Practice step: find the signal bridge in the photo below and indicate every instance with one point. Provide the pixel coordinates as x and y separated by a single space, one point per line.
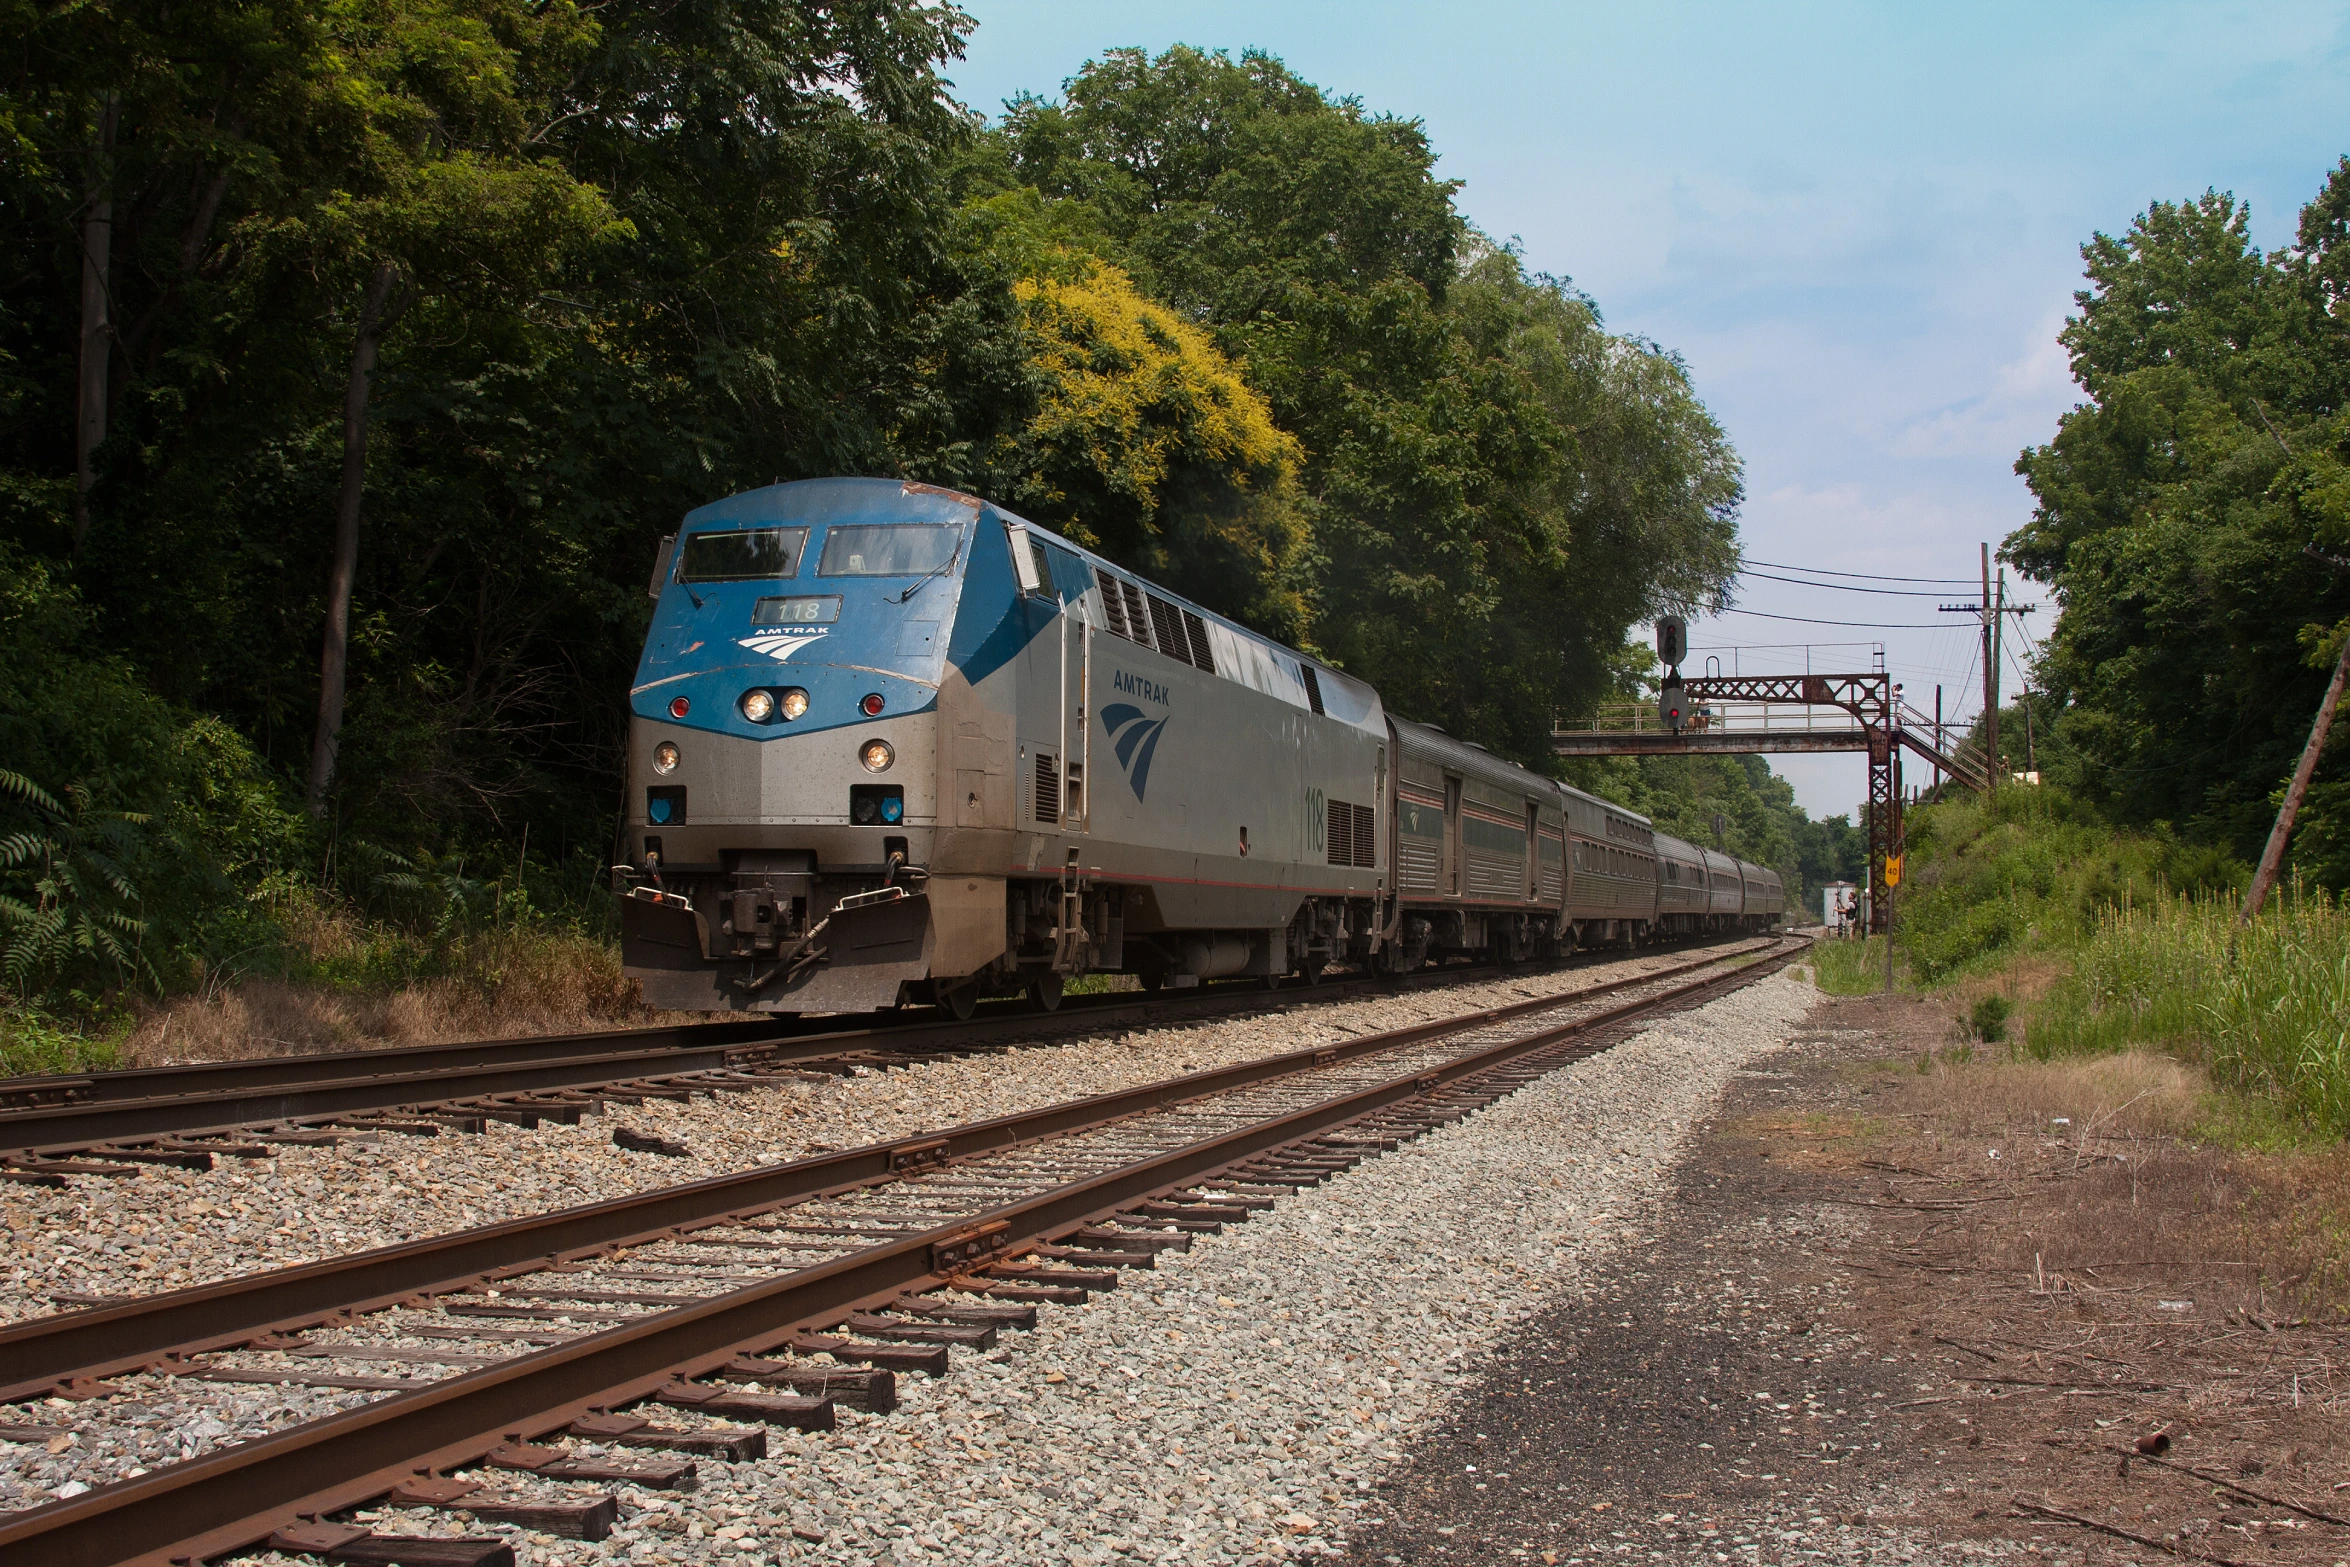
1736 714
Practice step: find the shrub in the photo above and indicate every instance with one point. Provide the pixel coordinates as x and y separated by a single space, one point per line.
136 835
1987 1019
2031 868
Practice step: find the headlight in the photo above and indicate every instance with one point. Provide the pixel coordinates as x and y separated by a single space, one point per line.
795 702
758 706
679 707
872 704
877 756
665 758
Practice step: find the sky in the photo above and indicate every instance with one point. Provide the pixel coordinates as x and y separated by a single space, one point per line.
1860 225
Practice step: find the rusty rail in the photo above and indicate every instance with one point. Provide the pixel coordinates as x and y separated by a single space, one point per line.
45 1353
63 1115
236 1497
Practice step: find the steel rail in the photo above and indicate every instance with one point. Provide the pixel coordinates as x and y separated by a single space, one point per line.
270 1074
44 1353
237 1496
47 1117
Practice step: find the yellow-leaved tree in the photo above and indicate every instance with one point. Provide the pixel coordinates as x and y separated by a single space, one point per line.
1149 445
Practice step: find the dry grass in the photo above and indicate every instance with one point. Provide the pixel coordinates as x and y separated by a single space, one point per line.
2101 1100
2114 1271
494 984
2114 1187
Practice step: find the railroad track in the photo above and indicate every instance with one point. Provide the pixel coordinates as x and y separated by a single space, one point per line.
562 1351
108 1123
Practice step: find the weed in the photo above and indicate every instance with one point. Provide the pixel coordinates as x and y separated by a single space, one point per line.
33 1040
2265 1005
1987 1019
2031 870
1851 968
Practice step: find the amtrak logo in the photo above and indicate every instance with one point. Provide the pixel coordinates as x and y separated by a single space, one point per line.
1134 735
779 645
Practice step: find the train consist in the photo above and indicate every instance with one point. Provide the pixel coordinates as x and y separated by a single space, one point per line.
889 742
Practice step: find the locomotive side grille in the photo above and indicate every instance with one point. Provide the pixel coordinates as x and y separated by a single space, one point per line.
1138 624
1352 835
1167 623
1313 687
1048 788
1113 608
1202 656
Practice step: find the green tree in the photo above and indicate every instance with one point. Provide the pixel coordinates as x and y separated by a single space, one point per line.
426 180
771 291
2172 510
1478 452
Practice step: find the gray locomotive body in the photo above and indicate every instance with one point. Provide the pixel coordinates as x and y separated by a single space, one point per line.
890 742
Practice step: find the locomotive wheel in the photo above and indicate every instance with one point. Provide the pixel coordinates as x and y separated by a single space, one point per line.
961 1001
1044 993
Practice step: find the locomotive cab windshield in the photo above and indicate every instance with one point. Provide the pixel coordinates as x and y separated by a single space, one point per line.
741 554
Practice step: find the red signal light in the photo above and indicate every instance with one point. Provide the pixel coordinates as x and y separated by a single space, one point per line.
678 706
871 704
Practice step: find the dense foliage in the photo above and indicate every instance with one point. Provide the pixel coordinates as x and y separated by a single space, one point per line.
1493 486
354 356
2174 506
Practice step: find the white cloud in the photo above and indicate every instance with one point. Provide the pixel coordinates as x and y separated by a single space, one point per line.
2025 397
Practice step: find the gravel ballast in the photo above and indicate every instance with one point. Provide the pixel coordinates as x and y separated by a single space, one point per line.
158 1228
1238 1404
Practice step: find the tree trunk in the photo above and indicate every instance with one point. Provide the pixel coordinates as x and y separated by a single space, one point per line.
97 349
2272 855
333 655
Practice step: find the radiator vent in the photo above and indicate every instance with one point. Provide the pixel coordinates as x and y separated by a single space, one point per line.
1048 788
1113 607
1354 840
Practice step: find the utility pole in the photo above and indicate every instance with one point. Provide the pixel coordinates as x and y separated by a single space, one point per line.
2272 855
1991 672
1938 751
1991 609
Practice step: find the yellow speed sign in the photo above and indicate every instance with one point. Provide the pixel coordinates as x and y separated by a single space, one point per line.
1893 870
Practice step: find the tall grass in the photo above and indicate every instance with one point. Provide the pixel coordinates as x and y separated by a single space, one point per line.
1849 967
2266 1006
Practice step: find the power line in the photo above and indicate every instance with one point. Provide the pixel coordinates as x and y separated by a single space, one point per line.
1857 625
1866 576
1842 587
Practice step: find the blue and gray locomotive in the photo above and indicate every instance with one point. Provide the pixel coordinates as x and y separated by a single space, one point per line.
890 742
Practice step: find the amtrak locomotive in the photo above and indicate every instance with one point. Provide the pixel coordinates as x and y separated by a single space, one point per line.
890 742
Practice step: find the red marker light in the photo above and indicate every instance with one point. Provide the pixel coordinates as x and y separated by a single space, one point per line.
678 706
871 704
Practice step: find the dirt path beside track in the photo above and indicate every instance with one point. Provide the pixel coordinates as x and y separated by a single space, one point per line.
1892 1314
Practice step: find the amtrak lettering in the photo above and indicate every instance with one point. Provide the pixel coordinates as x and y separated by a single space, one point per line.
1127 684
